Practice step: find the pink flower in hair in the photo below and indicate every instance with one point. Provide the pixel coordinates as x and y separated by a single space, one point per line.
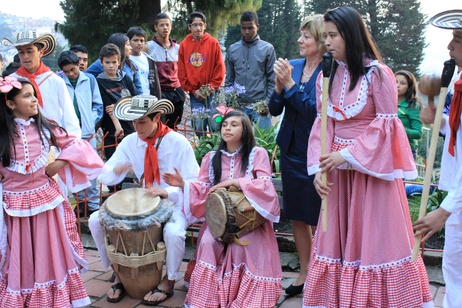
8 83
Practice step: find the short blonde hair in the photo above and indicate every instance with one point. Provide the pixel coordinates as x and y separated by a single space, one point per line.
314 25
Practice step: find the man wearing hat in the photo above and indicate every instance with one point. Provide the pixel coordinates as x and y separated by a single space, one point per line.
449 214
151 151
54 100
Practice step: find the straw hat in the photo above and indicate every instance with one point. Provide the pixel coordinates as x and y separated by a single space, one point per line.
134 107
448 20
27 37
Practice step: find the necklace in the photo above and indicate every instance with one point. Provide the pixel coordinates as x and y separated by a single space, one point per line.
306 75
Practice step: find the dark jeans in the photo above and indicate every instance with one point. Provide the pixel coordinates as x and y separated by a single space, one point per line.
177 97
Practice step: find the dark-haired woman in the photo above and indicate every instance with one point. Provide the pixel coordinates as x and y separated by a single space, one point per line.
245 274
364 259
409 108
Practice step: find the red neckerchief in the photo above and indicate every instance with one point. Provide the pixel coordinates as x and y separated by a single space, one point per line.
151 163
41 69
454 114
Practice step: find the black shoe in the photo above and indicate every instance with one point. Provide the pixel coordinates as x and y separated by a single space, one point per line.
294 290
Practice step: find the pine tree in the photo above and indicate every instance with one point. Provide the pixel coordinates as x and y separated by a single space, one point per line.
90 22
397 26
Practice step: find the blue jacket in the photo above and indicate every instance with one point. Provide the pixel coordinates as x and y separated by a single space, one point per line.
300 110
89 101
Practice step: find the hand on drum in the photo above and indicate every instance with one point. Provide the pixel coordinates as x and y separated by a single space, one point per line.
323 190
226 184
155 191
174 179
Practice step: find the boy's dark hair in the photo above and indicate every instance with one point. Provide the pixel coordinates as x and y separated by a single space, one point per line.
196 15
109 50
67 57
249 16
16 59
136 30
79 48
161 16
10 69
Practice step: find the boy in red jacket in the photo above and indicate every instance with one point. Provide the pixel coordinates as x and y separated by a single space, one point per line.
201 69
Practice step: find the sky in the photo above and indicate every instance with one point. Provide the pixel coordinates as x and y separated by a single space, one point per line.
435 53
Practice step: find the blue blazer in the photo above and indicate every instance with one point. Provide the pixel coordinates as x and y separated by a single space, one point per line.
300 110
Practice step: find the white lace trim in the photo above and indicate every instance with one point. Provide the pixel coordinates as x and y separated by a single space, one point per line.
27 166
344 112
357 263
248 273
44 285
343 141
386 116
248 171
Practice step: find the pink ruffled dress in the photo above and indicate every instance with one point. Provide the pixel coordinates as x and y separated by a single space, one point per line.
41 254
364 258
231 275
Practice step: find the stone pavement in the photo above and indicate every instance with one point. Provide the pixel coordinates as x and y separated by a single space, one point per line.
97 282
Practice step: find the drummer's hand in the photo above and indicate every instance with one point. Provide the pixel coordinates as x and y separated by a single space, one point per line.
225 184
123 168
54 167
322 189
155 191
329 162
174 179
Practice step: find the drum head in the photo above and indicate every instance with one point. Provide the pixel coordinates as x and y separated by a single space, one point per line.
131 202
215 214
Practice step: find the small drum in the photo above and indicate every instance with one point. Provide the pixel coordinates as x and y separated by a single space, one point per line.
133 224
229 215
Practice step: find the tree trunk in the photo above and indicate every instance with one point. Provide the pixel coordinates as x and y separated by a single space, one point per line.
148 11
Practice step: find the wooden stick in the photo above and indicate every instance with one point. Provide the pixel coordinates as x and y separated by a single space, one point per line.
446 76
326 68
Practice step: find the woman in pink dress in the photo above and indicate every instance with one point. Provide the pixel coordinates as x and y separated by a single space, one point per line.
364 258
234 275
40 250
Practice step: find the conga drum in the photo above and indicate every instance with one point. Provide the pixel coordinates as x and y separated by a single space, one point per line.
133 224
230 215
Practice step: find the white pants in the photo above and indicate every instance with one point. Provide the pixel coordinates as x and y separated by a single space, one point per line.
174 237
452 261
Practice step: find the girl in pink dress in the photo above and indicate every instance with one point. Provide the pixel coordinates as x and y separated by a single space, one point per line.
233 275
40 250
364 258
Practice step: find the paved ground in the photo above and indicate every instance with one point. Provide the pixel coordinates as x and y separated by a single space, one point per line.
97 283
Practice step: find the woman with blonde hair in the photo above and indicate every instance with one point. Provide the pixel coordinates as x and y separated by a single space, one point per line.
295 94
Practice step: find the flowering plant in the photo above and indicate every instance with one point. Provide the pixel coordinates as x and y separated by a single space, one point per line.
206 90
228 96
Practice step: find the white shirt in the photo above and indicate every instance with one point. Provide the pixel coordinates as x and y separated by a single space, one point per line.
57 103
174 151
142 63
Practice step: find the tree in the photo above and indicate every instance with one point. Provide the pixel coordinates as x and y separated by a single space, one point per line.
91 22
397 26
279 25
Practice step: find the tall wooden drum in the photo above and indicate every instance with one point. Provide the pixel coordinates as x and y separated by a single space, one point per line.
133 224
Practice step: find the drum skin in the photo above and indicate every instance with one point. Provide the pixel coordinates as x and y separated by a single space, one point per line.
133 205
230 215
